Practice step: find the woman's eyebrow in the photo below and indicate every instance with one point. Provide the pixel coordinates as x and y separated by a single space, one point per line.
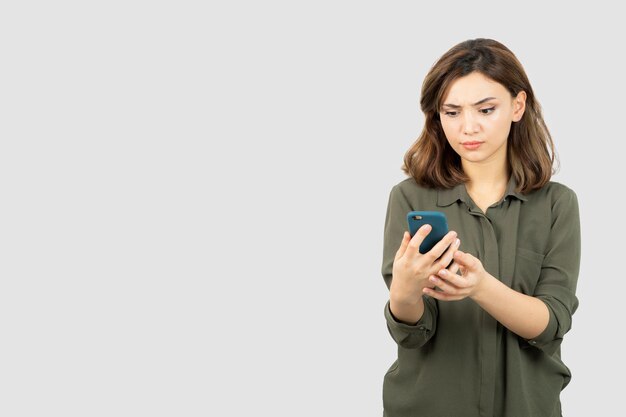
454 106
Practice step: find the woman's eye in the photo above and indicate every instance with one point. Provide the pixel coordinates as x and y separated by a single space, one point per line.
483 111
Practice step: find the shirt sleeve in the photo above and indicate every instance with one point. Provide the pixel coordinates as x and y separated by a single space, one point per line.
405 335
559 272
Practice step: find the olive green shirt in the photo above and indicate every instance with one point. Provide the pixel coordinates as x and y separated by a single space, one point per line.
458 361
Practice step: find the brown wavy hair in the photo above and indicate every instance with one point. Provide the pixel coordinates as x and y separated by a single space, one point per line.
531 156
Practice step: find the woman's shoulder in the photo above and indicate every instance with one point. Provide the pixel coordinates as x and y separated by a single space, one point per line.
553 191
409 193
409 188
555 188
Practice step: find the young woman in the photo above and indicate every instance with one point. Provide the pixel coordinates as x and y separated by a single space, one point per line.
479 319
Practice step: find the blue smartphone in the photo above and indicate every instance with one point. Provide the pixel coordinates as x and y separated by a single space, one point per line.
436 219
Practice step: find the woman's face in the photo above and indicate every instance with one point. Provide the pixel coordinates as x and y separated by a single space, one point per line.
476 117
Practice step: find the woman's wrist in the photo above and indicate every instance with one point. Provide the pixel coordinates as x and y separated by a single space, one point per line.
481 289
407 312
402 296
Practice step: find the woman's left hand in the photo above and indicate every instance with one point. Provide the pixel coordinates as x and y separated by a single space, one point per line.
454 287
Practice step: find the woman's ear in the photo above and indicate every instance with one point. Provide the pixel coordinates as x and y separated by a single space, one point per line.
519 105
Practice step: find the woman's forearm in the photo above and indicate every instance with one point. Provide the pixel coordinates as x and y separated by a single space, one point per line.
522 314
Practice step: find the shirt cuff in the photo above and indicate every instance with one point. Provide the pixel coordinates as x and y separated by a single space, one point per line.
408 335
548 335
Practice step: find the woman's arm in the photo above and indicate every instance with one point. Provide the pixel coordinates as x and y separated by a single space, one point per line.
522 314
414 318
545 316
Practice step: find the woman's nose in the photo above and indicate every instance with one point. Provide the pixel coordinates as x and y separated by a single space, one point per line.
470 124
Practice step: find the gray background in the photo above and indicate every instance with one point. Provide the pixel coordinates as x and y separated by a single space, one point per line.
193 196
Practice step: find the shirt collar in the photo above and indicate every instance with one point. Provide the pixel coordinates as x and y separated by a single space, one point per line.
447 196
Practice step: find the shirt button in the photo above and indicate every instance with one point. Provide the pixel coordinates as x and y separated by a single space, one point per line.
532 342
422 327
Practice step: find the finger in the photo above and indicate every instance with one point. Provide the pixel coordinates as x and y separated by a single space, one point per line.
465 260
446 286
446 258
417 239
443 244
454 267
451 278
443 296
406 238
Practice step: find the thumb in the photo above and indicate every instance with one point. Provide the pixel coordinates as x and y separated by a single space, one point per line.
406 238
465 259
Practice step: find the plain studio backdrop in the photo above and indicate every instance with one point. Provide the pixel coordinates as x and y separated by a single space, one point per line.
193 196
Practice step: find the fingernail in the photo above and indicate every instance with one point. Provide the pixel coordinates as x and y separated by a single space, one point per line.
457 242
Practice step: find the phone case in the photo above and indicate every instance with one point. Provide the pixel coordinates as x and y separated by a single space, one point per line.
436 219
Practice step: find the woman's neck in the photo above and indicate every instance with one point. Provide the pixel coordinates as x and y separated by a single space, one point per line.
486 176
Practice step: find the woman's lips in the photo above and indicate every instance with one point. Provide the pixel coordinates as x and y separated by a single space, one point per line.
471 145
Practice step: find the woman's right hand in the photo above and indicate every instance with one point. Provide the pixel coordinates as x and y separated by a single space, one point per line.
412 270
